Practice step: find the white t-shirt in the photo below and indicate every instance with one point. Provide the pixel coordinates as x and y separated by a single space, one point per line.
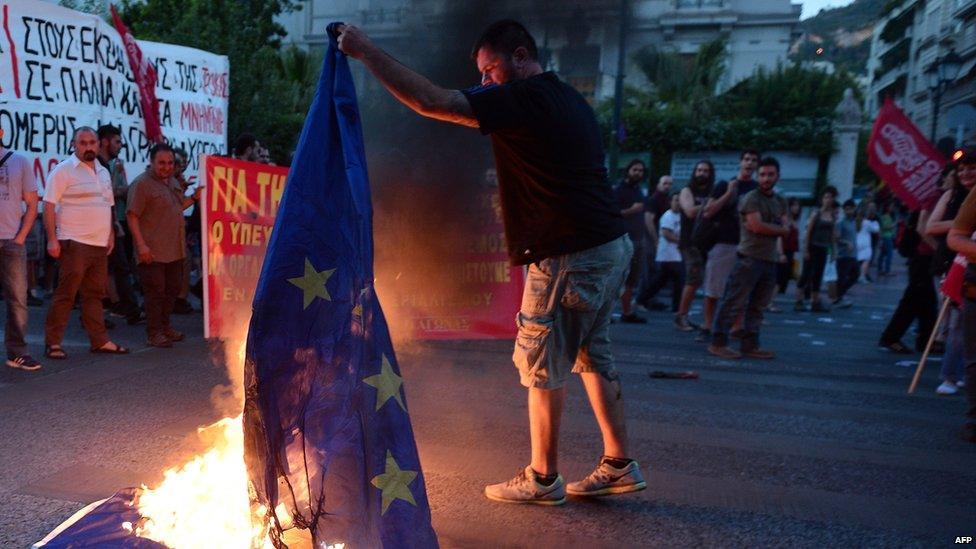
84 200
668 251
868 227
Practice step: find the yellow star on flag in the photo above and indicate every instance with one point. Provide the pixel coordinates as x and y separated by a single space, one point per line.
393 483
312 283
387 384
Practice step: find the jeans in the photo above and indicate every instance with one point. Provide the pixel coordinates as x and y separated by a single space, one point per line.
953 363
813 270
750 288
887 253
161 284
14 280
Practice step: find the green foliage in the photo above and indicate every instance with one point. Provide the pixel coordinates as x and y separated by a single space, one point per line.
860 14
96 7
681 79
789 108
270 89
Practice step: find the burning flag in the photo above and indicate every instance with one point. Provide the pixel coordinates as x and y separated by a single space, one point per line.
328 442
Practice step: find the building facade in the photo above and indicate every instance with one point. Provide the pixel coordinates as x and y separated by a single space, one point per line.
580 39
906 42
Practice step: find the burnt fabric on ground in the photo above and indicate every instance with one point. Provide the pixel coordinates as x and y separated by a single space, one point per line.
326 426
108 525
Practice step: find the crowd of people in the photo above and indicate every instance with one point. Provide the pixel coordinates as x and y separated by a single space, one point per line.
112 246
741 243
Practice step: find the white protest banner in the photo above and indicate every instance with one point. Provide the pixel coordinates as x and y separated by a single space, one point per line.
61 69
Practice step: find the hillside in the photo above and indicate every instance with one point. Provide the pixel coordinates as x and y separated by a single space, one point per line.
844 34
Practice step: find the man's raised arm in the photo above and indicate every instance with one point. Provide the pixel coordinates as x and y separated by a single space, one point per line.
410 88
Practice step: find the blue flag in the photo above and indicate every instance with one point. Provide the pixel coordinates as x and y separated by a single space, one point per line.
326 427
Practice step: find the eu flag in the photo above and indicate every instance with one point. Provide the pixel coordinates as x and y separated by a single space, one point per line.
326 427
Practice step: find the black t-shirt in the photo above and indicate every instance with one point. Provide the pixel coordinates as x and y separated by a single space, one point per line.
657 204
552 182
627 196
728 218
700 196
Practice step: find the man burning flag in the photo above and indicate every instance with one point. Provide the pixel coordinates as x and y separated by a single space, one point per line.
327 432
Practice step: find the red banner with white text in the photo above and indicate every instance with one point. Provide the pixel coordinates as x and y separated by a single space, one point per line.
238 214
901 156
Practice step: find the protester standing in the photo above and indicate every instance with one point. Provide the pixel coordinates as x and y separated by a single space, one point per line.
692 199
657 204
120 267
630 200
846 254
962 180
17 190
791 243
819 240
723 207
868 228
919 299
960 239
886 250
753 280
78 222
155 213
669 268
182 304
547 143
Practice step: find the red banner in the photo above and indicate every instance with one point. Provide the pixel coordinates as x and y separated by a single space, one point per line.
238 213
901 156
145 77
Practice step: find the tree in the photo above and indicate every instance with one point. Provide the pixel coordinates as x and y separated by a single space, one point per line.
263 99
688 82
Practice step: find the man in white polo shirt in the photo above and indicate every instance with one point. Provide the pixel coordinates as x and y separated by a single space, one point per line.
80 237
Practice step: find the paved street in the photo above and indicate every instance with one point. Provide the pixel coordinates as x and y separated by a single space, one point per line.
819 447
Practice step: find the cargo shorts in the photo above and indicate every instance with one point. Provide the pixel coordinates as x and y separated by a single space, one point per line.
564 320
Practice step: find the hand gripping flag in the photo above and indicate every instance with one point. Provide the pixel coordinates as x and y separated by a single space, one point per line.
327 433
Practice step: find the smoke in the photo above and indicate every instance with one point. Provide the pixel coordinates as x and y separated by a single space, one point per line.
428 177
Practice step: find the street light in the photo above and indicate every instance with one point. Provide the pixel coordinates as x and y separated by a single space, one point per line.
939 75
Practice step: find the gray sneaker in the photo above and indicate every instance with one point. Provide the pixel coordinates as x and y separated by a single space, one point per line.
607 479
525 489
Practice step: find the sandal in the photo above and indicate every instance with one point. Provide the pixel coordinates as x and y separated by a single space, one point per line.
116 349
55 352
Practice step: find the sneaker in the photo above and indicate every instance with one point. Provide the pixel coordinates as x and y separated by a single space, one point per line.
724 352
24 362
159 340
173 335
759 353
607 479
961 384
681 323
947 388
800 307
633 318
704 335
525 489
773 308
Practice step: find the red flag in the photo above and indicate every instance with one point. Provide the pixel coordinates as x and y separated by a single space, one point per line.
145 77
904 159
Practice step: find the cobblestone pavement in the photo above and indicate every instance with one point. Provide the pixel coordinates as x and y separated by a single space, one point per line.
819 447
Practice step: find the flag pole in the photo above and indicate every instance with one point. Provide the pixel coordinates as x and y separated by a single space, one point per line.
925 355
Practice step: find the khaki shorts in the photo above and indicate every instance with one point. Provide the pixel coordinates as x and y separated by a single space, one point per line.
564 320
718 269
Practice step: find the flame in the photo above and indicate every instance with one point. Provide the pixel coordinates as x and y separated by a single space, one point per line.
204 502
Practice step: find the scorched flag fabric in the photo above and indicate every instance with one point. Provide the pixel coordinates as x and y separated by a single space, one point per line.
327 430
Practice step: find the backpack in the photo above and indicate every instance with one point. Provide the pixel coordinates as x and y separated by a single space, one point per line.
907 238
